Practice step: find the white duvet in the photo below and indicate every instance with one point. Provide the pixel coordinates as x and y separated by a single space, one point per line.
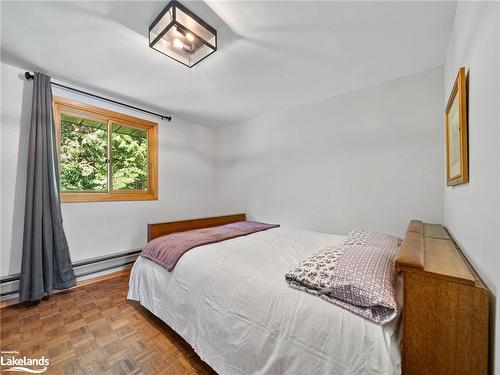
231 303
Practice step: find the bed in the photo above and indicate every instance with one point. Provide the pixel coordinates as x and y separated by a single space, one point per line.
230 302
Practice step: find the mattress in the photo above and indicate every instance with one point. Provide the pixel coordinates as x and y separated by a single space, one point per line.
231 303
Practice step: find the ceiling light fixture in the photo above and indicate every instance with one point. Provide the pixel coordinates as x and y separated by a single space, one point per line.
180 34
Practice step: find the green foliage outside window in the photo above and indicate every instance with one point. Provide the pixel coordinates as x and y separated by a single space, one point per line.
130 158
84 156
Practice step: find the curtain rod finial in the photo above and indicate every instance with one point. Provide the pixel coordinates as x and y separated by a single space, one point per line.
29 76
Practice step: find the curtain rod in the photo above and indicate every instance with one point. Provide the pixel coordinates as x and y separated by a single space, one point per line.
29 76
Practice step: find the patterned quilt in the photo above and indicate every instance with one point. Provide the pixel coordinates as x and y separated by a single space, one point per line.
357 275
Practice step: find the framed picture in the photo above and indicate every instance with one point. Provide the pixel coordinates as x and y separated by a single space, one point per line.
457 163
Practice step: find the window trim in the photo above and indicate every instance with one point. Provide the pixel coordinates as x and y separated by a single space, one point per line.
61 105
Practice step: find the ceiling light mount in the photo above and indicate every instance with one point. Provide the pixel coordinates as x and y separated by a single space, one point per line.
181 35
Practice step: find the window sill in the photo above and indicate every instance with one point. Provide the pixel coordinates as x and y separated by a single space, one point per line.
106 197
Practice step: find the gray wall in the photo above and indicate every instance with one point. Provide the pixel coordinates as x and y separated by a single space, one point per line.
370 158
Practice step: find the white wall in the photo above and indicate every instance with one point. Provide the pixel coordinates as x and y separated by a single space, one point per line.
472 211
370 158
186 182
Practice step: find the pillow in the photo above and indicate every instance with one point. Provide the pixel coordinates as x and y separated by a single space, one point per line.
358 278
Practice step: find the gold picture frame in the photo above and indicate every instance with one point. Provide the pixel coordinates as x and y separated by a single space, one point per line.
457 156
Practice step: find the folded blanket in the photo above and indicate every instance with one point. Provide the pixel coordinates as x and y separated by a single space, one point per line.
167 250
356 275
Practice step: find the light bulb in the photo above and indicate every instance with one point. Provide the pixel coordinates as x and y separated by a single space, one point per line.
189 37
178 44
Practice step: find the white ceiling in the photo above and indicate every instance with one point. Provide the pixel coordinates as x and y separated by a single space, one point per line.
271 56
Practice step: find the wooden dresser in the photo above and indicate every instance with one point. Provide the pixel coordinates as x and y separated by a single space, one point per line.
446 306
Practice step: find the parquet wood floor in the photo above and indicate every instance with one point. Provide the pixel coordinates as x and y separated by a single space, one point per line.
95 330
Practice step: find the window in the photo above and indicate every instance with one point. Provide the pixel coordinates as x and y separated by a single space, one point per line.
104 155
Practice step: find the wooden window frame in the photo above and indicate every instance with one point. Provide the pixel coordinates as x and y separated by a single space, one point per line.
63 105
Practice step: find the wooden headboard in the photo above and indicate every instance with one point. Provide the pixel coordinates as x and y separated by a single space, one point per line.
161 229
445 305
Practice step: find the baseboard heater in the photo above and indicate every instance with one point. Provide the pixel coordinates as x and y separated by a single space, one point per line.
9 285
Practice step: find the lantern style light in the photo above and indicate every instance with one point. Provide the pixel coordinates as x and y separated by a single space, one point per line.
182 35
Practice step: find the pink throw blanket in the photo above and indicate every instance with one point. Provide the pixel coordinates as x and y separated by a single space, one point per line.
167 250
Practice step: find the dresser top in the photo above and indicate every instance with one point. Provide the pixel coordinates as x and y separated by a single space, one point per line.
429 249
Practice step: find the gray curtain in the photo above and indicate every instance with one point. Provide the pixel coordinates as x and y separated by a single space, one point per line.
46 263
